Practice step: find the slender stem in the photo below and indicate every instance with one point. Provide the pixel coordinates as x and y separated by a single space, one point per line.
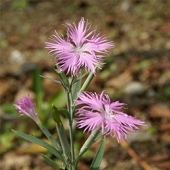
72 146
71 125
87 144
70 110
87 82
89 141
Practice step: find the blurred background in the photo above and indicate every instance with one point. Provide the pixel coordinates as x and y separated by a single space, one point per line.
137 72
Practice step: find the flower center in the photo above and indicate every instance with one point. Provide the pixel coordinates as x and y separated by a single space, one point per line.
78 50
108 114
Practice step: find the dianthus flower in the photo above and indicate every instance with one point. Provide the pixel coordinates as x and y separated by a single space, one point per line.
80 48
96 110
26 107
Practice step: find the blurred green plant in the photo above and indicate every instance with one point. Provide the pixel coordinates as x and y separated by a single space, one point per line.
4 43
6 141
43 108
143 12
70 8
141 65
19 4
152 130
10 109
167 91
7 137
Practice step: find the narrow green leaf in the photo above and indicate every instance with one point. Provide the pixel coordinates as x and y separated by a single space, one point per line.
63 77
77 87
56 115
64 143
99 135
41 143
80 77
50 137
66 113
51 162
98 157
61 133
55 81
38 89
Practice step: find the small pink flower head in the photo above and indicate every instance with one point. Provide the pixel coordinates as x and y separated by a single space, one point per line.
81 48
26 107
98 111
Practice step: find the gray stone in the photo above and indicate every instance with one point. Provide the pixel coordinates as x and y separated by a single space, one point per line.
134 88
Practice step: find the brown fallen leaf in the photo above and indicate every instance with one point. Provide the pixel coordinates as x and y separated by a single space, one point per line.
165 26
159 157
5 86
157 111
164 127
31 149
82 166
120 81
165 136
162 164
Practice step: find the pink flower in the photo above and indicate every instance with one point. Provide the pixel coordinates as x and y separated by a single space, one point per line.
26 107
98 111
81 48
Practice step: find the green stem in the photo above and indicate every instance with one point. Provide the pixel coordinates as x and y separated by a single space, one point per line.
70 110
72 146
87 82
88 143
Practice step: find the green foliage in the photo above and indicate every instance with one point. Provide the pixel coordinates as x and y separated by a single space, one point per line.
167 91
4 43
7 137
6 140
70 8
44 108
58 99
77 87
152 131
141 11
19 4
41 143
50 137
38 87
88 153
61 133
78 134
51 162
10 109
141 65
98 157
87 144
